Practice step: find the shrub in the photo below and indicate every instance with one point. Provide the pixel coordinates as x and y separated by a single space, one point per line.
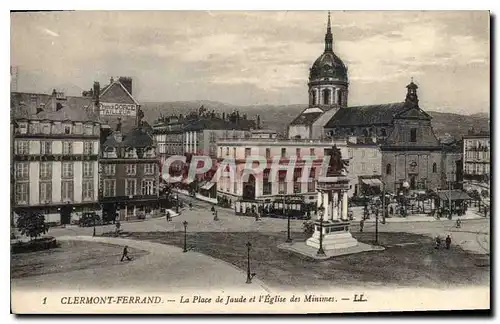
89 219
308 227
32 224
40 244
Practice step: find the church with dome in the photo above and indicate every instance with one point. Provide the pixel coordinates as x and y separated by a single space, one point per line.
411 152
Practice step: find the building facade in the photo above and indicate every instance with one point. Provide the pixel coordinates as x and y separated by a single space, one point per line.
364 162
129 168
476 157
55 156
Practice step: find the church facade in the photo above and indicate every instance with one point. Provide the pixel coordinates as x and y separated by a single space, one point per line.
411 152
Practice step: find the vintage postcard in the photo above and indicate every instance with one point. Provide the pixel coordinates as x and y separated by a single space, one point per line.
249 162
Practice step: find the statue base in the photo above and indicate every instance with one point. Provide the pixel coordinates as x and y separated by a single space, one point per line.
336 235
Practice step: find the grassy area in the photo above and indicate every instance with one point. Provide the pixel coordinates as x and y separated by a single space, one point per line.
418 264
70 256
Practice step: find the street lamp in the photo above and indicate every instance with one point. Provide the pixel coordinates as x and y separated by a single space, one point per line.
384 211
288 239
185 223
321 211
177 204
406 186
376 224
249 274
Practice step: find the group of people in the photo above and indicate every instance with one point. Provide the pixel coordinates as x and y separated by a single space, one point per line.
447 242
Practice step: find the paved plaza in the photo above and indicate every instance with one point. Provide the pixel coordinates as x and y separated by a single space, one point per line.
218 258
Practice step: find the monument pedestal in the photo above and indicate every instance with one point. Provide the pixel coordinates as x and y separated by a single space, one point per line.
336 235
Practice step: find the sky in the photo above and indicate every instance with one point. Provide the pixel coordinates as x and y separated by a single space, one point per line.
258 57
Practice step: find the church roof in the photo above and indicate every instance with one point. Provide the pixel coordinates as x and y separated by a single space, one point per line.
366 115
328 65
306 118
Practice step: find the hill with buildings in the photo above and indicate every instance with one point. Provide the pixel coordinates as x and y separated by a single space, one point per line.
279 116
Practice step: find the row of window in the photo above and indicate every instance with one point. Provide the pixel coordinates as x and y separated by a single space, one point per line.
49 128
477 168
388 168
248 152
112 153
148 187
130 169
23 148
45 170
45 192
477 155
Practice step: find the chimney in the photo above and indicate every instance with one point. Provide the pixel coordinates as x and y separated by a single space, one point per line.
97 92
127 83
53 101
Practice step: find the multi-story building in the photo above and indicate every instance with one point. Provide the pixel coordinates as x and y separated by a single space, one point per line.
365 163
129 168
55 158
115 103
476 157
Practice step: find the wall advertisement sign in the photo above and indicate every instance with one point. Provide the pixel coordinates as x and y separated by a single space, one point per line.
117 109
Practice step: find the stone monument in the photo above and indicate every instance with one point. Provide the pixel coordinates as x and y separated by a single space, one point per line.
331 228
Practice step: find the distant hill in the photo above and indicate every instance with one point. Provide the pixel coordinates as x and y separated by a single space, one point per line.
278 117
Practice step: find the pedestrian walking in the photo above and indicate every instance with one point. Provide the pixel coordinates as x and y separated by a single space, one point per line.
125 254
438 242
459 223
169 217
448 242
190 205
118 225
361 225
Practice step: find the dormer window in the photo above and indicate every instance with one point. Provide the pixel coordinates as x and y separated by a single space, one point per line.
130 153
67 129
23 128
87 129
46 128
34 128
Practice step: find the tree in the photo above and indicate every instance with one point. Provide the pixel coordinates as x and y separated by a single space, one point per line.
32 224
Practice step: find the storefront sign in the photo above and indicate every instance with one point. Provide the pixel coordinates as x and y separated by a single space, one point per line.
117 109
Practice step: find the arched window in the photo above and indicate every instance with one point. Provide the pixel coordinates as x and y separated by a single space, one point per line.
339 97
383 133
326 97
365 132
434 168
388 169
313 97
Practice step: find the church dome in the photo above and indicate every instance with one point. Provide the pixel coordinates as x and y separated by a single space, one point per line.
328 65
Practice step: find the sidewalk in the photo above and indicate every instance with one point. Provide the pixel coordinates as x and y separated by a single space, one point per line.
165 268
197 196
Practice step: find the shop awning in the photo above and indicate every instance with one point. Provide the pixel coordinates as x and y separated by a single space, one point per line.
208 185
454 194
372 182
